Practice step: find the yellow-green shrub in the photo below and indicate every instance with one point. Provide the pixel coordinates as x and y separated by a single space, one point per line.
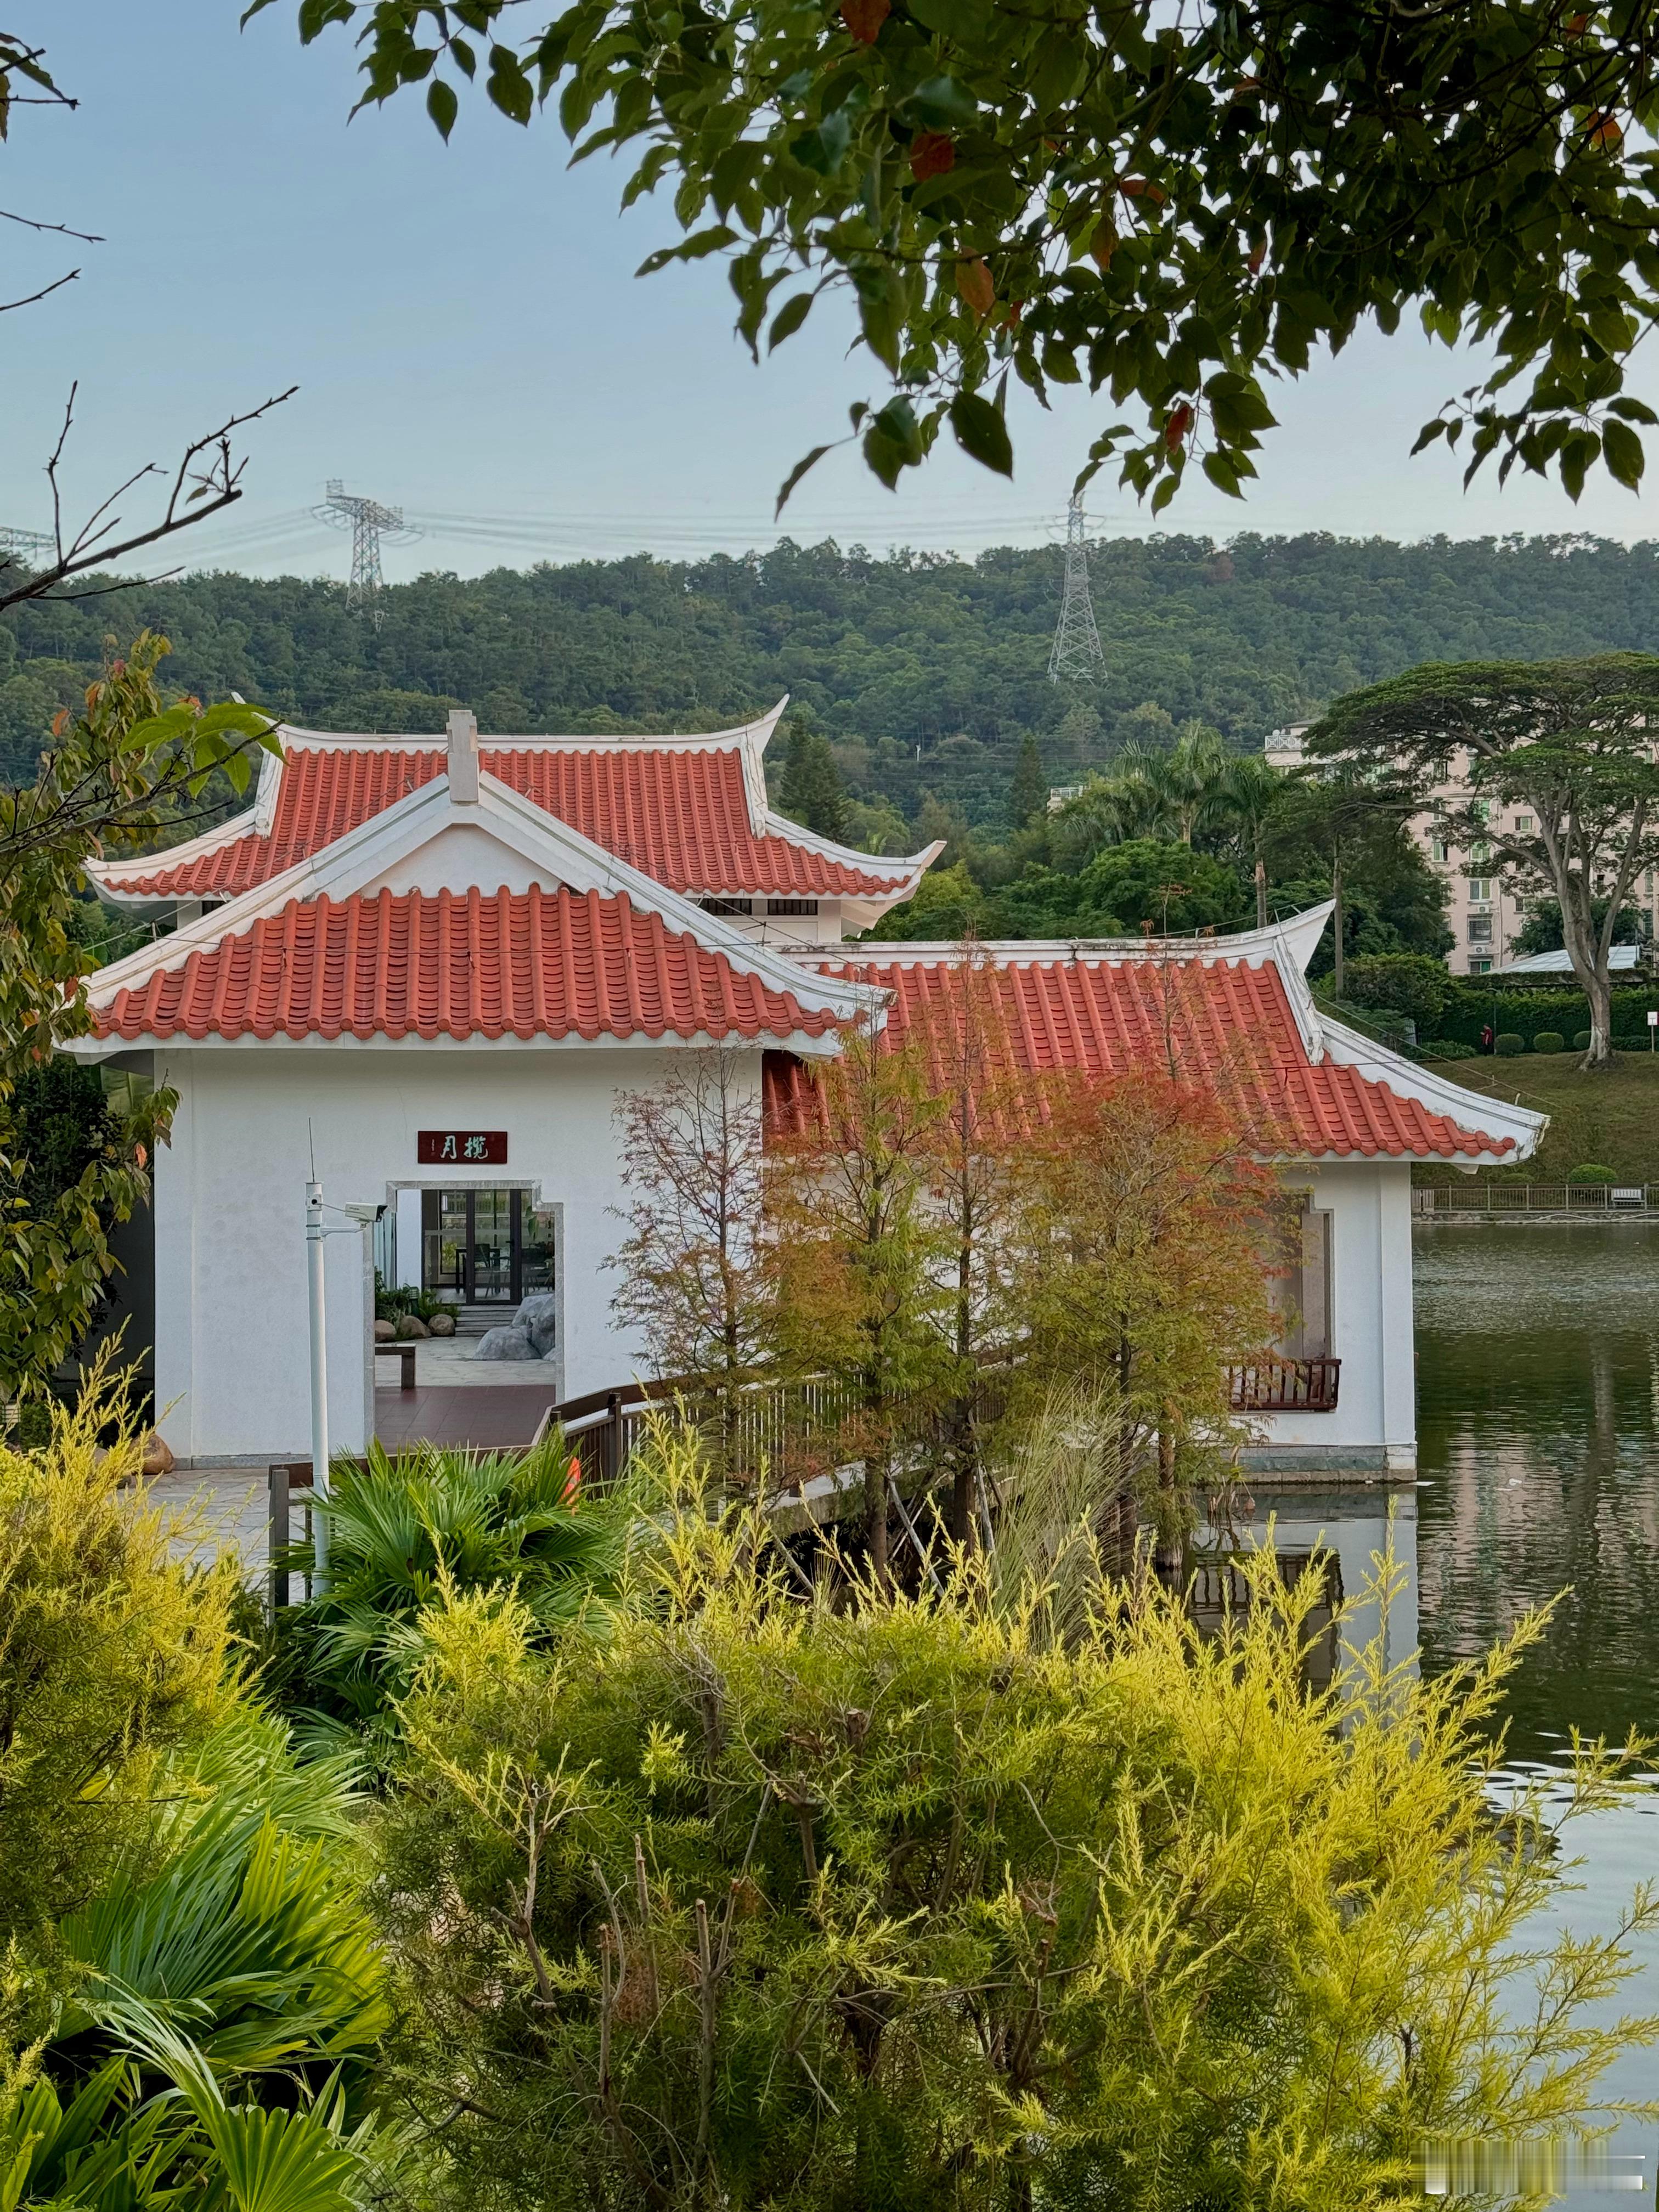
929 1904
113 1656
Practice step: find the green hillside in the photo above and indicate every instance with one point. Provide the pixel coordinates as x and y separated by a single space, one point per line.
926 671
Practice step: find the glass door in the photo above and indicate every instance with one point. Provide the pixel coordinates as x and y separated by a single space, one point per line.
535 1246
486 1246
492 1272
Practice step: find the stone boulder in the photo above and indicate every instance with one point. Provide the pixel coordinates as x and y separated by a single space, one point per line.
384 1331
537 1316
158 1459
441 1324
412 1325
506 1344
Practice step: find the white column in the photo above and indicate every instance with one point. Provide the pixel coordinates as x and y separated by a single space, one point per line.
409 1237
1396 1347
175 1212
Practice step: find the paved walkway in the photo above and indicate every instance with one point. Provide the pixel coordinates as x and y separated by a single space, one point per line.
448 1362
214 1507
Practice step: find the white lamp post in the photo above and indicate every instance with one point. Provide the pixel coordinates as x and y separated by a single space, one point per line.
361 1218
315 1233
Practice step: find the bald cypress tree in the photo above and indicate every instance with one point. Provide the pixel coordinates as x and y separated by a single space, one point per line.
1027 794
811 792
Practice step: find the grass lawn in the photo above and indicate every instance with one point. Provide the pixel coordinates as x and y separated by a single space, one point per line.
1612 1118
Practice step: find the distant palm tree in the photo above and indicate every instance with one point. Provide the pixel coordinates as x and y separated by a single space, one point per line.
1198 788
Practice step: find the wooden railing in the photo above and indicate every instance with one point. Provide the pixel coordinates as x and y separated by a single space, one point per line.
1286 1385
763 1424
792 1429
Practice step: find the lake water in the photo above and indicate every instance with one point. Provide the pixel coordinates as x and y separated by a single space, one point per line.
1538 1451
1538 1448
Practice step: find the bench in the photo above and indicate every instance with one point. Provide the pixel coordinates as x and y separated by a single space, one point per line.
403 1350
1620 1195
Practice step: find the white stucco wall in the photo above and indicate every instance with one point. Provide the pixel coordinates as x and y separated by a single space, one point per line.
1375 1423
231 1326
231 1349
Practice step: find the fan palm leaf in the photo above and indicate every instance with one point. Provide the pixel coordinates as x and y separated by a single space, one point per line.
404 1532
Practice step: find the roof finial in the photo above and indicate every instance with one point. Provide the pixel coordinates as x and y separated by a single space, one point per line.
463 756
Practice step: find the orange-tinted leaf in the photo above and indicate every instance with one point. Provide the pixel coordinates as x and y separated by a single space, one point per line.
975 283
1606 131
1574 27
1258 255
864 18
1103 245
932 152
1180 422
1137 188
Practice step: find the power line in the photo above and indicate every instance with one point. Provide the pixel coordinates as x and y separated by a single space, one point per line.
1077 657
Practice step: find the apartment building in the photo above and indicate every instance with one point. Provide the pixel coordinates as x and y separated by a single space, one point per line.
1485 912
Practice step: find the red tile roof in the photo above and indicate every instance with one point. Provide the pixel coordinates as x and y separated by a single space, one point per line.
524 963
1223 1022
680 817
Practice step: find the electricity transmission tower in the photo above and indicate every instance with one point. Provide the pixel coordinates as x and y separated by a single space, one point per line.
368 523
32 545
1077 657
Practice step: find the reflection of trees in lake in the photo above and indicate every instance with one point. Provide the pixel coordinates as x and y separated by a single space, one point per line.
1539 1441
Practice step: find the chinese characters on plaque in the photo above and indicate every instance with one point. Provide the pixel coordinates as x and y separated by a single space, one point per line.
461 1148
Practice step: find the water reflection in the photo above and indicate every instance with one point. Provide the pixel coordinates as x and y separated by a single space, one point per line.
1537 1447
1356 1525
1538 1454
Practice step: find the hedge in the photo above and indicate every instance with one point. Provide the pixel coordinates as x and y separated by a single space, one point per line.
1549 1041
1524 1013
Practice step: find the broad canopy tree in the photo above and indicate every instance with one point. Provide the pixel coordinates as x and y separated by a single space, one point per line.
1563 786
1172 205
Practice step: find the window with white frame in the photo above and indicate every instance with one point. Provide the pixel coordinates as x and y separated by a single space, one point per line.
1439 850
1299 1278
1480 929
1524 825
1480 890
1479 967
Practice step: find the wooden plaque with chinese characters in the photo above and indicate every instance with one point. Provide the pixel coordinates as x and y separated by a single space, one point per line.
461 1148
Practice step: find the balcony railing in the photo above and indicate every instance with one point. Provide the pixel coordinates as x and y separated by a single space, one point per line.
1286 1385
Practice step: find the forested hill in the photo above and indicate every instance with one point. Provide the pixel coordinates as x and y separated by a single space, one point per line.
926 671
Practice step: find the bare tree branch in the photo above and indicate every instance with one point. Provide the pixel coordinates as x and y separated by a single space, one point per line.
62 230
195 493
44 293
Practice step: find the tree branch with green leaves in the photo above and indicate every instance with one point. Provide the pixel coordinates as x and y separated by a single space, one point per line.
1172 206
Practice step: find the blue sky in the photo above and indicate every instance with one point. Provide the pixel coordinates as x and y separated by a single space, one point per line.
471 342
